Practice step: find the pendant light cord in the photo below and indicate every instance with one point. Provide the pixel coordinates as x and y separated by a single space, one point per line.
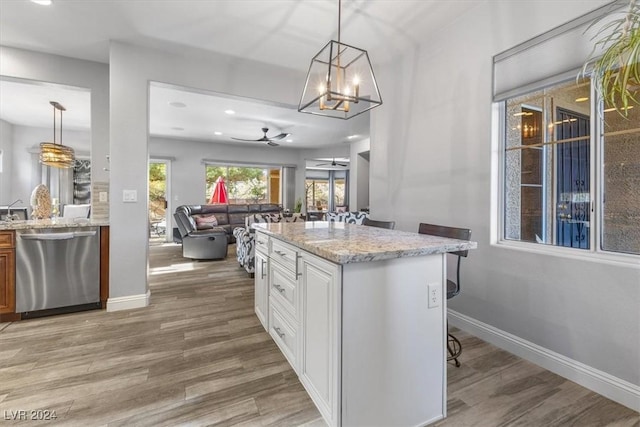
339 18
57 106
54 123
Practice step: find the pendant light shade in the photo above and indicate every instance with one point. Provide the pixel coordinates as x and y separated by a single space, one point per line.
53 154
340 82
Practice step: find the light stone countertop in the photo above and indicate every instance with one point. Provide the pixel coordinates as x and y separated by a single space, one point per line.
51 223
344 243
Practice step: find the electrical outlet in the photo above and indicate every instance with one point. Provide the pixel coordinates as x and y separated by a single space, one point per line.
104 197
434 297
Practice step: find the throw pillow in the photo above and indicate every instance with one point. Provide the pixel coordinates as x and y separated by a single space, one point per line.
207 221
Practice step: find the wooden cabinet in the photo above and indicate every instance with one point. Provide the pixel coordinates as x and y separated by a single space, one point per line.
262 289
319 362
7 272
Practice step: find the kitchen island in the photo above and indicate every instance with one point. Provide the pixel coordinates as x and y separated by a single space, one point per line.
360 314
56 263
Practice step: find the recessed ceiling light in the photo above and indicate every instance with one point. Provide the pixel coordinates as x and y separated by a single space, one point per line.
585 98
229 112
289 140
217 133
178 104
177 128
42 2
352 136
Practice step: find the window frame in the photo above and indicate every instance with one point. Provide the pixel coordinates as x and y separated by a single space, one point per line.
596 170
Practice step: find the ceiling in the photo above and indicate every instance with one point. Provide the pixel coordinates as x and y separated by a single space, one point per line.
287 33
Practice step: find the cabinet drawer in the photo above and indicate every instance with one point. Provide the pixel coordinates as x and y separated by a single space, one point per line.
262 243
284 334
284 254
284 288
7 239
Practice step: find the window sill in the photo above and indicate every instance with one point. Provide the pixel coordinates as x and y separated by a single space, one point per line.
621 260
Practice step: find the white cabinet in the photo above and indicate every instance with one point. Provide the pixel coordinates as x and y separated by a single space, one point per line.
319 361
285 332
262 289
361 337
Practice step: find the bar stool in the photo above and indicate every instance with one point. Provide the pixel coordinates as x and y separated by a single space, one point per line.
380 224
453 288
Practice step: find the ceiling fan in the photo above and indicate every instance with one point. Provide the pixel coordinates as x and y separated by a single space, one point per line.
269 141
333 163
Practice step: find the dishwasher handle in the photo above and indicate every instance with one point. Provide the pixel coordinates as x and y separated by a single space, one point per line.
57 236
84 233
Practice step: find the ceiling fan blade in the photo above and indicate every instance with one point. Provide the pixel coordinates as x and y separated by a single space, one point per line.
249 140
272 144
282 135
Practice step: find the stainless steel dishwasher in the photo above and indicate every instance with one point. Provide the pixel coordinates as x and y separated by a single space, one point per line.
57 268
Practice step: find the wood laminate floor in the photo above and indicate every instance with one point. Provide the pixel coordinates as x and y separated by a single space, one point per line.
198 356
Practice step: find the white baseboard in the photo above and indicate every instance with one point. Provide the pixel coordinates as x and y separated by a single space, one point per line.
128 302
611 387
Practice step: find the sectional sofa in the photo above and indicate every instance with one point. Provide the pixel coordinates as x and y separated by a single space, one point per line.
226 217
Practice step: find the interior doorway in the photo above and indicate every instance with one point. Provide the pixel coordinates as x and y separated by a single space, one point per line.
158 201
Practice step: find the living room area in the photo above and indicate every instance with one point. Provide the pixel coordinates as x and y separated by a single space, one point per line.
298 171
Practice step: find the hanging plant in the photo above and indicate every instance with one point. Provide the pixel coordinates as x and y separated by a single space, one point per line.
617 72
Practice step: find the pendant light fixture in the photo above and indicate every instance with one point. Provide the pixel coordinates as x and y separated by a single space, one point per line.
340 82
53 154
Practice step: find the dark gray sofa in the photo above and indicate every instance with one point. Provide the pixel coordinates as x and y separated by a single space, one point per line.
228 217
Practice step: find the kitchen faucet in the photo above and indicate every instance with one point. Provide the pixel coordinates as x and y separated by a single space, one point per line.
9 217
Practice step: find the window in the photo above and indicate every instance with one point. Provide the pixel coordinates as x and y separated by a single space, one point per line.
317 194
326 189
563 184
245 184
339 188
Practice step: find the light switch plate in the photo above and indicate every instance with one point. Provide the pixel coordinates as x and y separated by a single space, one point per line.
129 196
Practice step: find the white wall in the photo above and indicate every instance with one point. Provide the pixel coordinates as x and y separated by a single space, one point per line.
131 69
431 162
6 168
359 175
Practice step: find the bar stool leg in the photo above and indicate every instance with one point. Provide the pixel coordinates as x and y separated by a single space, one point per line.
453 347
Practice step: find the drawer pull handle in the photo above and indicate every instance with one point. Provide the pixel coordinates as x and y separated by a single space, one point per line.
279 288
260 242
279 332
263 269
281 253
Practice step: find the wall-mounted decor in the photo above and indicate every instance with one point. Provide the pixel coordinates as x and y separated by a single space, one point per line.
82 181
